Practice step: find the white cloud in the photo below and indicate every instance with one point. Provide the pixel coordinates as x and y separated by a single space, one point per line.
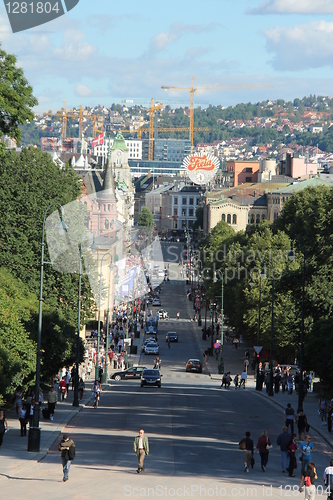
293 7
73 48
176 31
82 90
302 46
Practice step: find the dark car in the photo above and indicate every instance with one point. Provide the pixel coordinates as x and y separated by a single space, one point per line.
130 373
151 376
172 336
194 365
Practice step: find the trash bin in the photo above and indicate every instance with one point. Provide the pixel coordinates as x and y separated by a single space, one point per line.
34 439
134 349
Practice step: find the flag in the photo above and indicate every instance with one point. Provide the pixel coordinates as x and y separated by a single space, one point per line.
98 141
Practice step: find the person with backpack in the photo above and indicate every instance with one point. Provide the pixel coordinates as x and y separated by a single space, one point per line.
246 444
67 448
328 479
308 478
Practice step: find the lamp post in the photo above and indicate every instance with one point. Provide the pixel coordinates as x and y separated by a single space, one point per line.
34 431
262 274
105 373
99 317
291 256
76 385
270 392
221 363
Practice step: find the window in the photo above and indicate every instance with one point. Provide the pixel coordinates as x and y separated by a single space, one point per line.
198 201
248 179
184 201
183 224
258 219
263 217
106 223
175 201
223 217
252 219
190 212
275 215
191 201
109 208
175 224
104 206
234 219
229 219
248 170
175 211
184 212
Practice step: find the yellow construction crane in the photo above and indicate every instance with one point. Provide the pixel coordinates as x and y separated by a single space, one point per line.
193 90
96 130
152 110
73 113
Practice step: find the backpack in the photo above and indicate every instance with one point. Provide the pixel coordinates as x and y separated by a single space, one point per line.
71 452
307 481
242 445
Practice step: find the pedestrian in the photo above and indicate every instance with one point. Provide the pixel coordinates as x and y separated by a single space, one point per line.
328 478
323 410
52 401
81 388
263 446
67 380
62 388
289 417
283 441
67 448
18 400
3 426
308 477
306 448
243 379
292 456
247 446
141 448
23 420
330 417
301 423
236 380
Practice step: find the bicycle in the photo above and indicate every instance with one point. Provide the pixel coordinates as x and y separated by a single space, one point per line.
97 398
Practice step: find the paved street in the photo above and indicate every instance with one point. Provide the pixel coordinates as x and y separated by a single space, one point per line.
193 427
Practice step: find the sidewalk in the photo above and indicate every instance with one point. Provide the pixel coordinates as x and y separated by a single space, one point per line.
234 362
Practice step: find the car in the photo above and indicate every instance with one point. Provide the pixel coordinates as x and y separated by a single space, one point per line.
163 314
134 372
157 302
172 336
149 340
194 365
151 376
152 348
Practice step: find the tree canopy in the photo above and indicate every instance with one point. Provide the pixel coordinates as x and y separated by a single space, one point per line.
16 99
146 218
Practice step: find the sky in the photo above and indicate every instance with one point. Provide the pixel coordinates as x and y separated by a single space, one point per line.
106 51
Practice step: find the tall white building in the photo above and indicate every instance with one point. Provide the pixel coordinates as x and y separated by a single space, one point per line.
134 148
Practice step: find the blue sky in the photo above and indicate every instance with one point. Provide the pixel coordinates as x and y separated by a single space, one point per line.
105 51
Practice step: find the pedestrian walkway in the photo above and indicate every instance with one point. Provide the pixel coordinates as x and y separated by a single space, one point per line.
234 363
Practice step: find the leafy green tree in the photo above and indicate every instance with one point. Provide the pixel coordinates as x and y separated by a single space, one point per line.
318 355
146 218
16 99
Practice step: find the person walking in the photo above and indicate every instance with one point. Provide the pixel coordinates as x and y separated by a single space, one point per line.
292 456
62 389
52 401
283 441
308 478
243 379
301 423
67 448
323 410
141 448
289 417
246 444
306 448
263 446
3 426
23 418
81 388
18 400
328 479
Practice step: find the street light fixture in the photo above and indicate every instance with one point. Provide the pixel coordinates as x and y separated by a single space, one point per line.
291 256
105 373
262 274
107 254
221 362
34 431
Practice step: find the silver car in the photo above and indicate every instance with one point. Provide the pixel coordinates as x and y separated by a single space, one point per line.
152 348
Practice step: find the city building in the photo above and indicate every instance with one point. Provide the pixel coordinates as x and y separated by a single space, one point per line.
133 146
243 171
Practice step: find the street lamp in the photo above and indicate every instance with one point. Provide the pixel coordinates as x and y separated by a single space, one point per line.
221 363
34 431
261 275
99 316
291 257
105 373
270 392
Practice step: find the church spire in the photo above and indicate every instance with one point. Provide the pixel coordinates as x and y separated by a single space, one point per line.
108 184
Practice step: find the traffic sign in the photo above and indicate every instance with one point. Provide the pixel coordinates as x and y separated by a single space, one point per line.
258 348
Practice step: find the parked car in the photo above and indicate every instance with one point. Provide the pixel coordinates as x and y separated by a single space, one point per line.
150 340
156 302
172 336
152 348
194 365
151 376
134 372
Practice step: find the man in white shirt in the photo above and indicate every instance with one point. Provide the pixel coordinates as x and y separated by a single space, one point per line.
243 379
141 449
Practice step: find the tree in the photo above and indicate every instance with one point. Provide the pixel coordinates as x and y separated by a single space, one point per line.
146 218
318 355
16 99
